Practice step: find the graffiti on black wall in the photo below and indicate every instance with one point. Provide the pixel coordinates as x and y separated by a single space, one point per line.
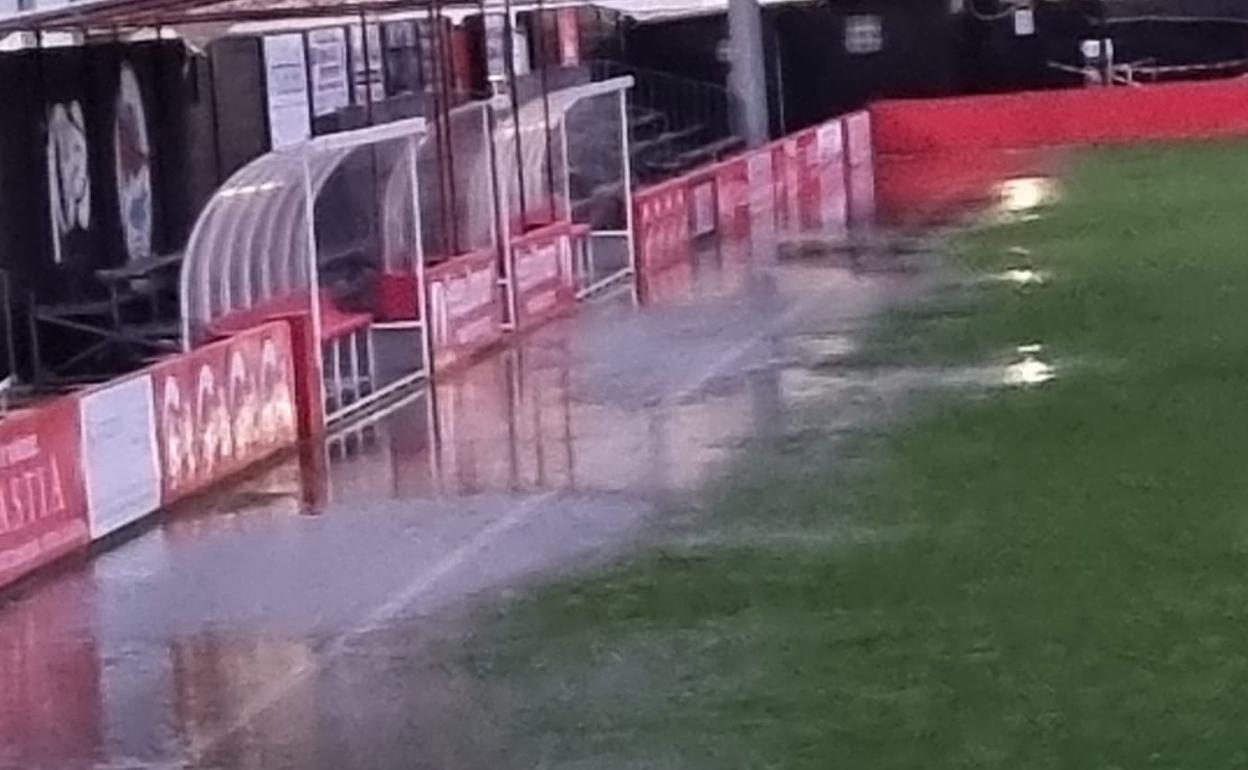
132 158
69 179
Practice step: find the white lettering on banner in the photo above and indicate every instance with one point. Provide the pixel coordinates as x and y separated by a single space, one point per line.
858 128
470 333
703 209
759 179
792 184
227 425
32 495
537 265
540 303
830 140
468 293
19 450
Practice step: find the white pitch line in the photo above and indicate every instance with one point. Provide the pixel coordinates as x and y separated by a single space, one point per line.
374 620
737 352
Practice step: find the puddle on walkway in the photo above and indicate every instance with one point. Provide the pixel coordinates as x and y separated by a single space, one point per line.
286 617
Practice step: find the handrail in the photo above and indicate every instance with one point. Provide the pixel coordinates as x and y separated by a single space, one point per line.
694 112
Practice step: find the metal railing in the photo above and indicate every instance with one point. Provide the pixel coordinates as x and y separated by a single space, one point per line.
677 122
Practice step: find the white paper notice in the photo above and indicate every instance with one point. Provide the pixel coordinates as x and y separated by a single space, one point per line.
286 81
119 454
327 54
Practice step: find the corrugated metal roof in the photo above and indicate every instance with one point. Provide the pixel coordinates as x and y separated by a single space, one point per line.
129 14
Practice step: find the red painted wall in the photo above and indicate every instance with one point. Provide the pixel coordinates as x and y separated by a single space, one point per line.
1048 118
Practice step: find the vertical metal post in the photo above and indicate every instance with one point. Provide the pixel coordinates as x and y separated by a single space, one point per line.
335 349
445 62
307 82
627 160
502 241
422 290
370 359
10 337
53 204
214 117
368 68
748 78
509 64
544 85
567 167
313 268
433 88
353 349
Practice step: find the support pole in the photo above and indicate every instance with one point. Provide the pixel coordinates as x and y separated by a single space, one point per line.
747 80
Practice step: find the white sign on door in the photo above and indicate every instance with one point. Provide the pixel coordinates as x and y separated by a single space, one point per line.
327 58
286 84
370 74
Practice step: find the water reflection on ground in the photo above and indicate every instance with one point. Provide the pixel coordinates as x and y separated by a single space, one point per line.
292 620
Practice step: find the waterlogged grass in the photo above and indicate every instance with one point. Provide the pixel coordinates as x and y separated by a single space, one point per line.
1048 578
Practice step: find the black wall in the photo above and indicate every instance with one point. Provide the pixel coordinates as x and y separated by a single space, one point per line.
31 82
820 78
1177 32
993 58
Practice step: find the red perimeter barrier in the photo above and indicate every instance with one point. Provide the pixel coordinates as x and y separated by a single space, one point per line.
814 180
545 281
732 185
465 308
860 156
1076 116
43 508
661 216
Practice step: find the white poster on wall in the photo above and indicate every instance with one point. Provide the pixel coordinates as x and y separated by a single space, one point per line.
1024 22
372 73
327 59
119 454
286 84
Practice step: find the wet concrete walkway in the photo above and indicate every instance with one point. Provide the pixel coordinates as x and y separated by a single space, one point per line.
297 619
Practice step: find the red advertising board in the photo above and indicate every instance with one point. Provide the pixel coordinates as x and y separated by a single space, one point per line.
703 209
830 144
672 284
732 185
785 173
222 407
860 174
762 195
661 220
43 507
465 308
545 281
809 181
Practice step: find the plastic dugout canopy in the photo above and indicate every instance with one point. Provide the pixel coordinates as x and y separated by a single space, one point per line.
576 155
268 235
257 244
